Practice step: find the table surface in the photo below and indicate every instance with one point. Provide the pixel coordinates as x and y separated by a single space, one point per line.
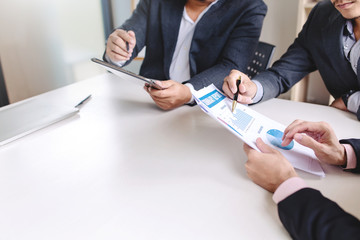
124 169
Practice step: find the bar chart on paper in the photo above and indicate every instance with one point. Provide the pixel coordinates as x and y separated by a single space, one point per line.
250 125
242 120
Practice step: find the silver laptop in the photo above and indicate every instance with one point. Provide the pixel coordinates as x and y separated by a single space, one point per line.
20 119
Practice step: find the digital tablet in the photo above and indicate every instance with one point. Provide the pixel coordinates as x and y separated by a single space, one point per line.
120 72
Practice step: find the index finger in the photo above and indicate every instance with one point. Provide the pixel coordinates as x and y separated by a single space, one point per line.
302 127
123 34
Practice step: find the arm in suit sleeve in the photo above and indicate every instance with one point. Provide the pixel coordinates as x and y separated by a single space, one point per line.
294 65
137 23
355 143
307 214
238 50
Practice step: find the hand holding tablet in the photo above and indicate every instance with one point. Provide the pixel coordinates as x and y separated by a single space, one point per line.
122 72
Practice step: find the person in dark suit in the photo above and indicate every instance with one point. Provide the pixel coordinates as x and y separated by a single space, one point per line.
189 43
305 212
328 42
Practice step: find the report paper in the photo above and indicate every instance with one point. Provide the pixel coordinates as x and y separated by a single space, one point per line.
248 125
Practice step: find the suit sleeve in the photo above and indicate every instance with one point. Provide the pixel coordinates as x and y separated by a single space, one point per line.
137 23
355 143
307 214
294 65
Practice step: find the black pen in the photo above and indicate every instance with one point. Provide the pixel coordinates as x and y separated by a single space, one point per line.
82 102
127 46
238 82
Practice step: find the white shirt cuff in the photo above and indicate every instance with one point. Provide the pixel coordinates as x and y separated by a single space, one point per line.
354 102
191 88
119 63
287 188
259 93
351 157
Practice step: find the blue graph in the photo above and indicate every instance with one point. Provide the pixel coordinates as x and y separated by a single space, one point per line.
212 98
242 119
275 138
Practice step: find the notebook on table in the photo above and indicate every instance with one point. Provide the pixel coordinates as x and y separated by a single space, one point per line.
23 118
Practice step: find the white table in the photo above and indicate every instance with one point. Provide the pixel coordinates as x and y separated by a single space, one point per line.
124 169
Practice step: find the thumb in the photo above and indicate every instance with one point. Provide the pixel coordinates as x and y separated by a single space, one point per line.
131 34
133 38
164 84
263 147
306 141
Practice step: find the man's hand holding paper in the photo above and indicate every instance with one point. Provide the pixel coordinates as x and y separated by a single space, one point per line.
318 136
250 125
247 88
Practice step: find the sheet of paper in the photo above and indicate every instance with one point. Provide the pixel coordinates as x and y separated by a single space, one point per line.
248 125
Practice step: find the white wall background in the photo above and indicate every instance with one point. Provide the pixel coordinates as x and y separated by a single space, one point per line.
44 43
280 27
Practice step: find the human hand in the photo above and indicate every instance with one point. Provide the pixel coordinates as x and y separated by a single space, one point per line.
247 88
268 168
320 137
116 48
172 95
339 104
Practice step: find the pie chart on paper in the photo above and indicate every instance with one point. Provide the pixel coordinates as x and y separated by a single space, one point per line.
274 136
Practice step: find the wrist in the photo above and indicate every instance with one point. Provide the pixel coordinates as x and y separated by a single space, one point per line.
345 96
342 159
188 88
283 177
259 92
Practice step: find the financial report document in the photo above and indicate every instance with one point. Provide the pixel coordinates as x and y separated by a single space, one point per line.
248 125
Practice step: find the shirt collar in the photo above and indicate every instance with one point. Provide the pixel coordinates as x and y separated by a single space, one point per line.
187 18
348 29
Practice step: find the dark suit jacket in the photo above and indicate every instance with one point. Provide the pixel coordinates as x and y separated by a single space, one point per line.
307 214
319 46
225 38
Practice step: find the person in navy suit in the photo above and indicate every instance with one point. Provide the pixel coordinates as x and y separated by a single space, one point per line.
189 43
328 42
305 212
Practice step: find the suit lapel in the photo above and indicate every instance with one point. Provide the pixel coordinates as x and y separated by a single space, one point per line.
171 13
332 39
210 19
204 30
335 27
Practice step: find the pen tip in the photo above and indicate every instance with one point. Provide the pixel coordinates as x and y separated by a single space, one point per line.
233 106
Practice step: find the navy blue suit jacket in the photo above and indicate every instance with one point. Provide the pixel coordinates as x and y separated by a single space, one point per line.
307 214
319 46
225 38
